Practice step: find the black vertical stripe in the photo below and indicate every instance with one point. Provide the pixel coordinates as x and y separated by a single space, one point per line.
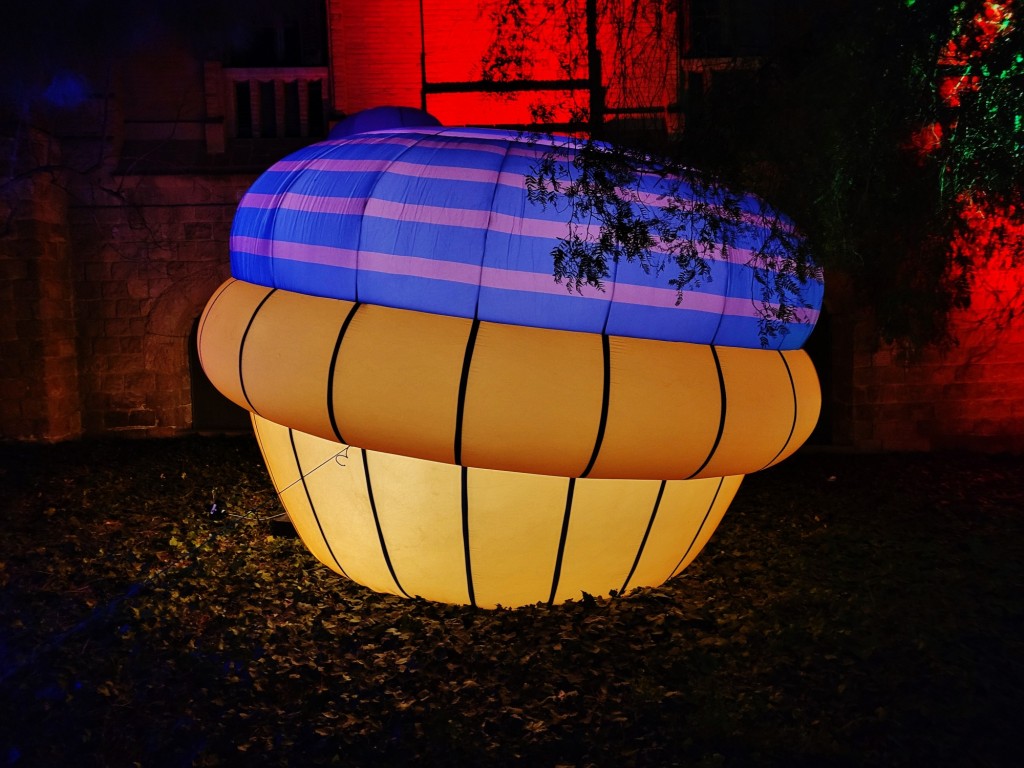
465 536
700 528
333 368
463 387
721 420
376 521
605 395
241 347
561 540
792 427
309 500
643 541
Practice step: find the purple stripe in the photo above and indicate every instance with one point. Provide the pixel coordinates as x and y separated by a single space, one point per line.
354 206
440 215
516 148
328 255
294 201
383 137
420 214
427 214
496 277
399 167
445 216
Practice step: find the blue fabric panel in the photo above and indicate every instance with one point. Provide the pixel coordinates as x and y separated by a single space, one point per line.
420 294
439 220
298 276
380 118
252 267
561 311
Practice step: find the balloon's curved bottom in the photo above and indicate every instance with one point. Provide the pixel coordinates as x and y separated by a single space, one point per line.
485 537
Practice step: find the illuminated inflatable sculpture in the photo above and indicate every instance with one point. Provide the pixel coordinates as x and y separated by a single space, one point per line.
442 419
382 118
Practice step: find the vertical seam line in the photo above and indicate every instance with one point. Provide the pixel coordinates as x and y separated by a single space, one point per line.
241 347
309 500
561 540
643 541
700 528
376 521
465 536
721 420
605 397
333 369
460 410
792 427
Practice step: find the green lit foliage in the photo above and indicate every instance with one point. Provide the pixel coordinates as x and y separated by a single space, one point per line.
981 84
876 131
979 147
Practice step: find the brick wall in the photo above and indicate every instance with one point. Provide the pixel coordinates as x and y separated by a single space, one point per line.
967 396
103 271
375 53
375 56
145 265
39 387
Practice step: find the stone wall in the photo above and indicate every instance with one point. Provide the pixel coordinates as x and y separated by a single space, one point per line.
146 261
102 276
39 385
970 395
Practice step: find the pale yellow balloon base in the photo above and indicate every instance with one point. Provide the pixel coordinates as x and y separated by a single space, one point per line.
485 537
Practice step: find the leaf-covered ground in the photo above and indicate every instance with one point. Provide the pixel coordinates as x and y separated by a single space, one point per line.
851 610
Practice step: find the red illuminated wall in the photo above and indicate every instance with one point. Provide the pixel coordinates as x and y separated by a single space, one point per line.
971 395
376 59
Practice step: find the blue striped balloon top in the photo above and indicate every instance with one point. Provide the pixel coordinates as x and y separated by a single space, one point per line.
439 220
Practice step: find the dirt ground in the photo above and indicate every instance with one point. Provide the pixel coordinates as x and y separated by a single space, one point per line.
851 610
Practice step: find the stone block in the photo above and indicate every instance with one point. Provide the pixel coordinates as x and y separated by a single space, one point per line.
142 418
140 383
115 420
13 269
130 308
98 272
198 231
212 212
131 344
123 270
137 288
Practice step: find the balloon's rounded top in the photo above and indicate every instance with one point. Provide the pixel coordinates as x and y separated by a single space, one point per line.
382 118
441 220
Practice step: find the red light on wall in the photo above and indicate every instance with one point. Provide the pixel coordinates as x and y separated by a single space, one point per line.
927 139
991 241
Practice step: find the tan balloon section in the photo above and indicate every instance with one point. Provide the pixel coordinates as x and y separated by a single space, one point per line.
464 535
506 397
490 464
